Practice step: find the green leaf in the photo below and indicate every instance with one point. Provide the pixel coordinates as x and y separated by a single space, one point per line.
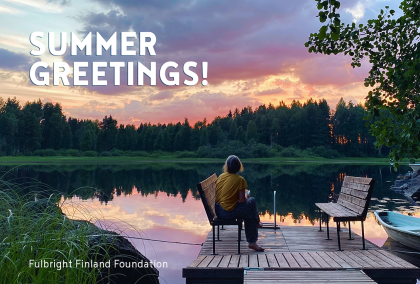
322 17
337 22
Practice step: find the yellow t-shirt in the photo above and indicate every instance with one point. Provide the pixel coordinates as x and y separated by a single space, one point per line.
227 190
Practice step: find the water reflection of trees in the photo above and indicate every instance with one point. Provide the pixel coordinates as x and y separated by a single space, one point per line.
298 186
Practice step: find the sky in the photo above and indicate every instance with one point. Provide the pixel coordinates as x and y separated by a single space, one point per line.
254 49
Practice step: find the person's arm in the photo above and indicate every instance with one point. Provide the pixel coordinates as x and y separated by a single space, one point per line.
242 197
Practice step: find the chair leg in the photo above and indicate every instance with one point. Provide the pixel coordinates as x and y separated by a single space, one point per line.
214 241
218 233
328 228
338 236
363 236
320 221
239 237
222 228
350 238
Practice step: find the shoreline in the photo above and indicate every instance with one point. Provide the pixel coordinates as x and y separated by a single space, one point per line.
31 160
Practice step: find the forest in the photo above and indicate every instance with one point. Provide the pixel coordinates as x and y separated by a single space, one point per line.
300 129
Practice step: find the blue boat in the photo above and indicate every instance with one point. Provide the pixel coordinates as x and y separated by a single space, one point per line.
402 228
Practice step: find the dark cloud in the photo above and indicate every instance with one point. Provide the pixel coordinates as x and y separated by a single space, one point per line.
241 39
13 61
163 95
147 5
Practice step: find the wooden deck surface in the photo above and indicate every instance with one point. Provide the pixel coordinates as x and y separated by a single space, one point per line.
297 250
314 260
285 239
306 277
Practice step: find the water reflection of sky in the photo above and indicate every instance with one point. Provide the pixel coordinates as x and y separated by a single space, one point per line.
170 218
159 217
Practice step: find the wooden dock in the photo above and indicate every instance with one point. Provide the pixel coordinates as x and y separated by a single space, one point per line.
300 252
307 277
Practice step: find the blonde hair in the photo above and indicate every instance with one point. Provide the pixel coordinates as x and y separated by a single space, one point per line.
233 165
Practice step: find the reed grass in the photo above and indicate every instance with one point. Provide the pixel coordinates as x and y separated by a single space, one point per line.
33 228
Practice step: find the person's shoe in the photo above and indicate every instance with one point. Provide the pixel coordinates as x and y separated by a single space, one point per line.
255 247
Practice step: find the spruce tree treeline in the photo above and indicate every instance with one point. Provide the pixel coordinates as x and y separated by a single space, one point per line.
42 129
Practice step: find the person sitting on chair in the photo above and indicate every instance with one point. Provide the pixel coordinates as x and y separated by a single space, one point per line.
233 203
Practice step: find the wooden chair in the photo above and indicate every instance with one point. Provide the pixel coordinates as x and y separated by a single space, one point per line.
207 190
352 205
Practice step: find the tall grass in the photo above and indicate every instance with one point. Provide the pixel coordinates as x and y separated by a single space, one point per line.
33 227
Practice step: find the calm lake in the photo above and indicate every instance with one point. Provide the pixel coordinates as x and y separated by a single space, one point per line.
159 200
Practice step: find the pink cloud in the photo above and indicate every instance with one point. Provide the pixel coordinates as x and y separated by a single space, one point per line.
331 70
195 107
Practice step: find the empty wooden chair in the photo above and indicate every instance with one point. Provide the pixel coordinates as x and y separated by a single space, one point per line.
352 204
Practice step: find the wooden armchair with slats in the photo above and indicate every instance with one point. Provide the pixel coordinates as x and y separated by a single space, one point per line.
207 190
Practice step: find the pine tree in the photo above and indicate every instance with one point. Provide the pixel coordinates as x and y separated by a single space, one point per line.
241 135
232 131
251 131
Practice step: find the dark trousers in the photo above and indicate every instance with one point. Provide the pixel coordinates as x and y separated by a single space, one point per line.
247 211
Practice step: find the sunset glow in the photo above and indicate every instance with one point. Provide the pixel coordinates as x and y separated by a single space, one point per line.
251 62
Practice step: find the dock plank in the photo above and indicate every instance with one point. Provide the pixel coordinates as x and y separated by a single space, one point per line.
262 260
197 261
243 261
234 261
365 258
206 261
300 260
341 262
306 277
331 261
253 260
272 261
386 259
357 259
290 260
225 261
399 260
281 260
376 259
351 262
319 259
215 261
309 259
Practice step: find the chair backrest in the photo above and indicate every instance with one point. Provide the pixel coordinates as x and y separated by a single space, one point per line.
356 193
207 190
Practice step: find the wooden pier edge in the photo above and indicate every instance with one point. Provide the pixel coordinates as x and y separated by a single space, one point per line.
196 275
393 276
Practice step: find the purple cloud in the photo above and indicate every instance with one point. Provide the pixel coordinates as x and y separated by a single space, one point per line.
13 61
